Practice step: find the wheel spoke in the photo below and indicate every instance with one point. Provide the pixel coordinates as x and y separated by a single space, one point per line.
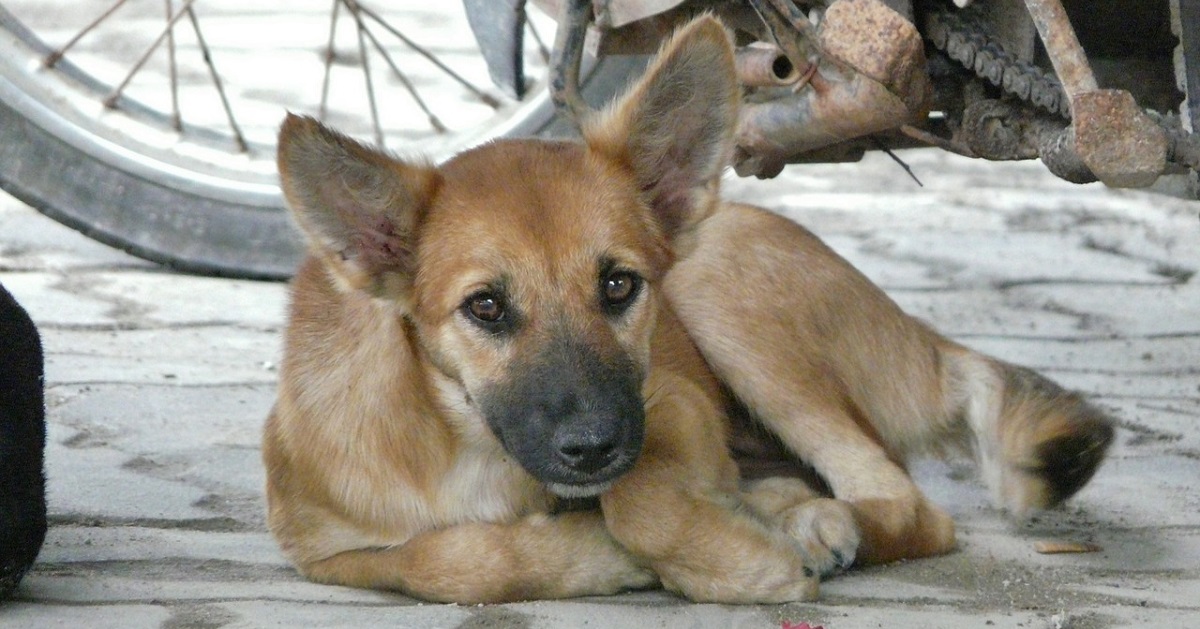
53 57
366 68
483 96
387 58
238 138
172 69
111 100
322 109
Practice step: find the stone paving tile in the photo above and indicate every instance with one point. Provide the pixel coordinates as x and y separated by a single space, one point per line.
97 545
1128 616
161 298
1058 311
1152 424
45 297
191 453
22 615
285 614
192 356
164 419
1169 310
100 484
1168 357
207 580
33 242
98 298
1008 259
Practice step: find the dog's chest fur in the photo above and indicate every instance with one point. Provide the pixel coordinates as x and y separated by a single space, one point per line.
484 483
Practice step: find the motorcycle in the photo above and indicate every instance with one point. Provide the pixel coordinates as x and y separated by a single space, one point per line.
1098 90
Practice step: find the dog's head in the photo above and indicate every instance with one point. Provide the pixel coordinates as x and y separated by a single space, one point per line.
529 269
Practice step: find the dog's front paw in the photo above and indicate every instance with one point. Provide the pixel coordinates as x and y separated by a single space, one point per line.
825 531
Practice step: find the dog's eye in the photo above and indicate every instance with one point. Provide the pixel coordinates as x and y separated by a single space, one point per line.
485 307
618 289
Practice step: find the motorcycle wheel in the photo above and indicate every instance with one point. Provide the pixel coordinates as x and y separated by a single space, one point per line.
194 197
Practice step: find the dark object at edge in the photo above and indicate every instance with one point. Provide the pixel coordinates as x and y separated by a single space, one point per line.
22 444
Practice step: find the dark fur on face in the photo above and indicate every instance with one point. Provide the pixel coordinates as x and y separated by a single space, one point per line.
571 418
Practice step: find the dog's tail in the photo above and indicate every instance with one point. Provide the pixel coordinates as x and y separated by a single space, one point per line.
1037 443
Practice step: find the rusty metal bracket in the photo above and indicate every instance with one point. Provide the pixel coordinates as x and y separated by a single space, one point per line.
869 77
760 65
1117 141
790 29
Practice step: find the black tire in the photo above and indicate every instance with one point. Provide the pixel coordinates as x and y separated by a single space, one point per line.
156 206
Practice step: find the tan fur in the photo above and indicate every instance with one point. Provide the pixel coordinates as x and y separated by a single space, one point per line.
384 467
853 386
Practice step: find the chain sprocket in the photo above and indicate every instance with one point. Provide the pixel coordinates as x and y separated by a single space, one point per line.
963 35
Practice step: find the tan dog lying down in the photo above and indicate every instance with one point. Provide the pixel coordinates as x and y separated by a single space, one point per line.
475 347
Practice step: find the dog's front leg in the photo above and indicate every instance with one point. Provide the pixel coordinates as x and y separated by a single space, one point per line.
679 509
539 556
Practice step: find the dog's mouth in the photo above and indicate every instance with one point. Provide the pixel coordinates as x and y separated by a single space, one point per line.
568 480
563 490
572 470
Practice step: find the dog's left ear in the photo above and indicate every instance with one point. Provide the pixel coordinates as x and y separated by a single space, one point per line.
359 207
675 127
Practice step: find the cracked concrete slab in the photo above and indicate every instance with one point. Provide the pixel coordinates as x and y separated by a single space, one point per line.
19 614
162 355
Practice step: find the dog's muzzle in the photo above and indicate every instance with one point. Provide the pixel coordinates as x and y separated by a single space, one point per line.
572 420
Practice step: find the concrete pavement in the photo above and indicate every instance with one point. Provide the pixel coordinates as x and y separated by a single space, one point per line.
158 383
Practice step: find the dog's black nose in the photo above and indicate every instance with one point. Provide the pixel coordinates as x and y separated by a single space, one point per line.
585 449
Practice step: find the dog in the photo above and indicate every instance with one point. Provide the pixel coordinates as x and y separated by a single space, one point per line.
551 369
22 444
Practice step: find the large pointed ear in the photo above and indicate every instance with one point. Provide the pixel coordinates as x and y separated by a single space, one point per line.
359 207
674 128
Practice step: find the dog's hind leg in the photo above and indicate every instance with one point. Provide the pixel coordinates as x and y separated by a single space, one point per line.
540 556
826 362
880 515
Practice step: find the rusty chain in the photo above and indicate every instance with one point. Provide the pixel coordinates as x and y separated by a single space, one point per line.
962 35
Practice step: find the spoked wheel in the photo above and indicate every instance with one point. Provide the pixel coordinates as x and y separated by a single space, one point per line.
149 125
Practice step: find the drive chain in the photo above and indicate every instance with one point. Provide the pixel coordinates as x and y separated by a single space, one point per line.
963 36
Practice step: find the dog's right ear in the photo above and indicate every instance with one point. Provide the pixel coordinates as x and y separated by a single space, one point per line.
359 207
674 128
